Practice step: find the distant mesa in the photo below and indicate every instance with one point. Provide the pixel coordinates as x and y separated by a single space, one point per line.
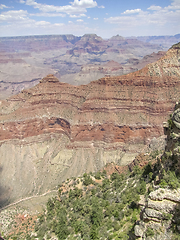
117 37
49 78
91 37
113 64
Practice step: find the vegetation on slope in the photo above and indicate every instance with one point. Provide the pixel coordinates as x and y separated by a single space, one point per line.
101 206
94 207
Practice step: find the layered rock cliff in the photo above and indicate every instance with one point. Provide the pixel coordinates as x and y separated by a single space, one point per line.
55 130
160 210
159 213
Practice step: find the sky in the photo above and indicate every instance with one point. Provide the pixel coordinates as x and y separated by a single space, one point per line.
106 18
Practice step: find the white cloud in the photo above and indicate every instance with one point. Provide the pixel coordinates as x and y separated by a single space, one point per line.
11 16
32 27
77 16
101 6
84 3
42 23
79 20
18 23
157 19
154 8
174 5
132 11
76 7
21 22
154 20
3 6
45 14
59 24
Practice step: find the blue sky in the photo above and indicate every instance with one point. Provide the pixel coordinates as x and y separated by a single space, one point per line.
106 18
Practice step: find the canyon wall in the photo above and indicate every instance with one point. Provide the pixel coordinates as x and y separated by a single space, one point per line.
55 130
76 60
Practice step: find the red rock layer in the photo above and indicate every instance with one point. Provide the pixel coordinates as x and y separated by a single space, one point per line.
125 109
33 127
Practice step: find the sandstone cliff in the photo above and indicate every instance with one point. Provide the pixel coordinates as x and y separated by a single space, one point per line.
55 130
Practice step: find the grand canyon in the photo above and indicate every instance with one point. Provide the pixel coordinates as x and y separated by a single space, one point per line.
75 60
56 130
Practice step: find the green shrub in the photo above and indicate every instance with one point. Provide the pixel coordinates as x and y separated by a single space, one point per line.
147 169
87 180
149 232
170 179
104 173
122 236
163 183
134 217
97 175
94 233
137 170
154 154
141 188
75 193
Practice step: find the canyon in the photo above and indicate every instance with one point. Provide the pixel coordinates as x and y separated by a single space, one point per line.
55 130
75 60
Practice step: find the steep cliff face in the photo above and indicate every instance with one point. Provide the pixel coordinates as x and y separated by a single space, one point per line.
160 210
111 110
55 130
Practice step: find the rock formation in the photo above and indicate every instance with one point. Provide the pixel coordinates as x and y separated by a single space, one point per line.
157 214
160 211
55 130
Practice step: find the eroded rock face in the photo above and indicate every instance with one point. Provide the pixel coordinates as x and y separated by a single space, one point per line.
168 65
111 110
157 214
55 130
160 211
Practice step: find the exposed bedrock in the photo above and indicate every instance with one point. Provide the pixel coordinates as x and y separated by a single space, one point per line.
55 130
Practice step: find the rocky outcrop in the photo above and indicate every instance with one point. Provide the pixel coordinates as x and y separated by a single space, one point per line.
168 65
157 214
160 210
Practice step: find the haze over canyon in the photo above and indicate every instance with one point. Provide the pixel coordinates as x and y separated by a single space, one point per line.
75 60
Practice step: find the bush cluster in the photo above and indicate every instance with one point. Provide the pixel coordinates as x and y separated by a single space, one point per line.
98 212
